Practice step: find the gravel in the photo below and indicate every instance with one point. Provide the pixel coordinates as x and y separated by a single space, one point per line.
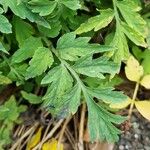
137 137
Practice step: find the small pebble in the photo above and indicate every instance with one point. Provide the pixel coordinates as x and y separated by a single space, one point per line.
136 136
121 147
147 139
127 147
147 147
135 125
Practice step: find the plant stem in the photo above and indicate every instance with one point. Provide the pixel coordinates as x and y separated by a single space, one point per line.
81 128
133 100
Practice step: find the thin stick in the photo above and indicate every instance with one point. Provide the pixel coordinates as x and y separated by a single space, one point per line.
75 127
81 127
50 134
17 130
62 131
70 135
20 131
23 136
69 139
133 100
26 141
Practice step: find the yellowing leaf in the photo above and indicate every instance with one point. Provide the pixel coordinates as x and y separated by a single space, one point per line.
144 108
52 145
121 105
133 70
34 140
146 81
4 80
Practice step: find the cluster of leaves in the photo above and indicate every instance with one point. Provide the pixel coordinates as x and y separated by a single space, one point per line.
40 47
9 114
135 72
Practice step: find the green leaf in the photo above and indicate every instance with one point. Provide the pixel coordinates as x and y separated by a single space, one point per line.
97 22
27 50
4 80
42 59
133 35
32 98
61 82
129 11
72 99
70 48
71 4
120 41
54 31
1 10
17 73
95 67
100 120
9 110
2 48
107 95
23 30
43 7
21 10
145 63
5 26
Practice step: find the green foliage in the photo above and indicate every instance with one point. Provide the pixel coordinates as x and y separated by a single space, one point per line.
31 98
72 52
97 22
9 113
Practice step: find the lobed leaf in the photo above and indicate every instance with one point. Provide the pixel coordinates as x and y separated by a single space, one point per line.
41 60
97 22
27 49
71 48
95 67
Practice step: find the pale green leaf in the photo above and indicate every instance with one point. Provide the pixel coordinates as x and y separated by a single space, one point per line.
72 4
4 80
1 10
42 59
2 48
133 35
97 22
5 26
95 67
107 95
129 10
32 98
